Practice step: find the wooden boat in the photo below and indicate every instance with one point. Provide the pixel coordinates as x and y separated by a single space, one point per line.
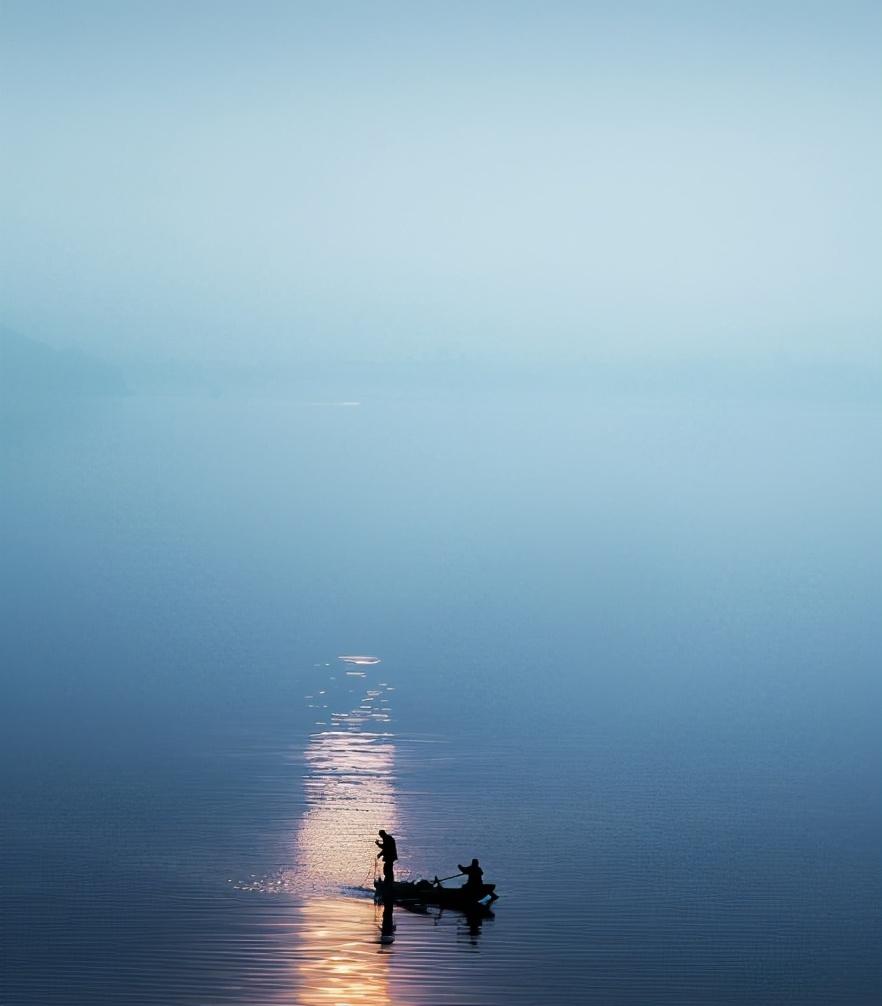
427 893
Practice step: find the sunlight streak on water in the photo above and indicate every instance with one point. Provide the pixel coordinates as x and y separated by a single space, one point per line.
336 946
350 794
336 964
349 788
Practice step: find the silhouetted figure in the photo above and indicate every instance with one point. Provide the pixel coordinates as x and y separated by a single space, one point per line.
388 853
474 876
387 927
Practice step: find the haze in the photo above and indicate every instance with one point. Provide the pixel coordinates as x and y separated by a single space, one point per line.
279 183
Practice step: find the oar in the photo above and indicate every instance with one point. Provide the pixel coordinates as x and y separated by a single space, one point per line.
441 881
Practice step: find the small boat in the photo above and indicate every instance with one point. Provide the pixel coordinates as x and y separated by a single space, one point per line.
427 893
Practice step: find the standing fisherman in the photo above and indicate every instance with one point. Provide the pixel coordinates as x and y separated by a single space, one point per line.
389 853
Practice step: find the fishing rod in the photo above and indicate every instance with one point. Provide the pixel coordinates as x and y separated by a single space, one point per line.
372 869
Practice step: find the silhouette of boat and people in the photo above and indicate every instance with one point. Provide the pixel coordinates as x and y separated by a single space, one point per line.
473 894
471 900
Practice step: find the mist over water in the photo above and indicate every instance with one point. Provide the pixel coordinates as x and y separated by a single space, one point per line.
629 658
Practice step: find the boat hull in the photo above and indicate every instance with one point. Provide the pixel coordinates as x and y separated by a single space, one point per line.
431 894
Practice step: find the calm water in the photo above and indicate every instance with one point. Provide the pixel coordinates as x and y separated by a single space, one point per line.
629 658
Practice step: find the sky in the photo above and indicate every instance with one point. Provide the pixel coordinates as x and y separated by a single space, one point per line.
291 182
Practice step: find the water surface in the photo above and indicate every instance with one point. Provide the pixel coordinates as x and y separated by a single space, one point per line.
629 655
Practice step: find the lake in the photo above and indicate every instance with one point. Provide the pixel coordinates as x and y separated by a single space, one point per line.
626 652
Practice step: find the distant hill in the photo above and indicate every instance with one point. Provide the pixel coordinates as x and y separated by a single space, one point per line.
31 369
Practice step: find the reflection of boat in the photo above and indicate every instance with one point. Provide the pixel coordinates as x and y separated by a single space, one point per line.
427 893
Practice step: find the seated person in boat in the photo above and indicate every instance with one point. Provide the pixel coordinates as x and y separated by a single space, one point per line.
389 853
474 876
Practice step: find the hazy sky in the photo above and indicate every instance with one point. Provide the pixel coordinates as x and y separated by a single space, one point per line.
273 181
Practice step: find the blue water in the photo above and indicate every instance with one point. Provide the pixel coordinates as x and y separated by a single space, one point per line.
629 656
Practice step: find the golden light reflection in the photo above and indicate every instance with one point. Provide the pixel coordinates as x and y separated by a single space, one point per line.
338 942
338 965
342 956
349 789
